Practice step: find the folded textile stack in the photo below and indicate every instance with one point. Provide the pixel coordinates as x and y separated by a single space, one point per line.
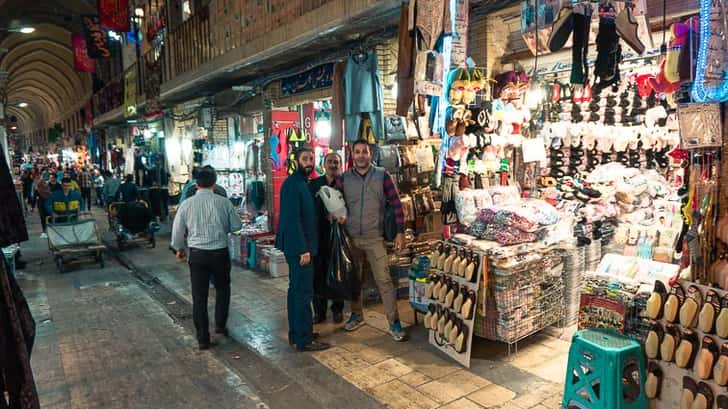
515 223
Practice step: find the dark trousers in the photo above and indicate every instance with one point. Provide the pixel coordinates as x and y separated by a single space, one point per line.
164 194
42 212
100 196
300 295
86 195
203 265
321 291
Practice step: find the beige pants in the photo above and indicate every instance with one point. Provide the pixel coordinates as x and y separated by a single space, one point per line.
376 255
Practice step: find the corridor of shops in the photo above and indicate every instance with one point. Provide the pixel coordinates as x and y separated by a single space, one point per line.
407 204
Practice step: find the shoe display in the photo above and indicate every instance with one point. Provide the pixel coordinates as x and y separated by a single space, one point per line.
720 372
653 341
673 303
670 341
653 384
690 307
711 307
706 358
687 350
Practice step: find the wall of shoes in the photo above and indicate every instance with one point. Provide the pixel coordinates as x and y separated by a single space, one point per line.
453 293
687 346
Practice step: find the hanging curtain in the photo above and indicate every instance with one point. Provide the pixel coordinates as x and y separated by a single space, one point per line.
17 333
12 221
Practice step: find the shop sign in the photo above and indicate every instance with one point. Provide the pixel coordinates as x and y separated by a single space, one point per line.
81 60
114 15
460 34
130 91
96 40
315 78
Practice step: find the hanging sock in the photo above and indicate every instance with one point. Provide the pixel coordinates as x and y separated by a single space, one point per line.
580 48
609 51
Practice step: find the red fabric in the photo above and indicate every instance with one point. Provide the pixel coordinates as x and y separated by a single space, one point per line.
114 15
81 61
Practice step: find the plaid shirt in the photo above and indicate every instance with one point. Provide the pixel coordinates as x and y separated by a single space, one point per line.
84 180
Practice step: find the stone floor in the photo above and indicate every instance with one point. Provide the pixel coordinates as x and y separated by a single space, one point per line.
122 336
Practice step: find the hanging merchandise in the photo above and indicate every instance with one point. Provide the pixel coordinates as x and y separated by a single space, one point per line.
363 95
12 221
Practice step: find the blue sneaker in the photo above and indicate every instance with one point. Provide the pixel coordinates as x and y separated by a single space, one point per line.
354 322
398 334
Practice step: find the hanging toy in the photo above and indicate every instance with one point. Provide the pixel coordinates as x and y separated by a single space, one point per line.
667 80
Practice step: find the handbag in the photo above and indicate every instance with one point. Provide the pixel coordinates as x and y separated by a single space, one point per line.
388 158
394 128
409 155
425 159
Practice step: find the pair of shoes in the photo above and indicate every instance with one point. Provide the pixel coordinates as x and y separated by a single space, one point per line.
398 334
338 317
355 321
315 336
314 346
223 331
43 235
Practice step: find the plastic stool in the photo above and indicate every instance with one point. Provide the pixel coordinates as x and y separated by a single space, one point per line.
602 372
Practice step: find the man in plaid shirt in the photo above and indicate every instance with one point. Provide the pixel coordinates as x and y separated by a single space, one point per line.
86 184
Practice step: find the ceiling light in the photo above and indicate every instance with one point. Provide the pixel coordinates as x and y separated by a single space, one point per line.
22 104
12 128
26 30
139 12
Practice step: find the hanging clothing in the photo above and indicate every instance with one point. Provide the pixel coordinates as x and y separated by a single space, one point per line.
431 18
363 94
12 220
17 333
405 63
337 107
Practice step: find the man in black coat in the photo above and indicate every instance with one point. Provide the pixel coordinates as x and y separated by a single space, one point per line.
297 238
321 291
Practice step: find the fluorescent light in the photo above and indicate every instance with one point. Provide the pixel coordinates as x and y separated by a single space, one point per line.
22 104
139 12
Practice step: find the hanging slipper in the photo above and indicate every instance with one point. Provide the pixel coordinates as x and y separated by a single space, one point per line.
471 271
706 358
653 341
721 322
466 260
722 402
444 289
457 304
720 372
428 316
440 327
461 343
448 325
454 332
437 286
450 296
447 264
562 28
434 279
673 302
687 350
468 306
711 307
670 341
690 307
435 317
689 392
704 398
653 384
656 302
435 255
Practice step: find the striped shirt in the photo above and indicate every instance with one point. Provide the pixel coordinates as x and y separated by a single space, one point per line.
84 179
206 219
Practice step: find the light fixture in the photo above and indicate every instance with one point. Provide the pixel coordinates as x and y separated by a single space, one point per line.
322 130
26 30
139 12
22 104
113 35
13 128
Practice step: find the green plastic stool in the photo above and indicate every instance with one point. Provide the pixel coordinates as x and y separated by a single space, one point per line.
606 370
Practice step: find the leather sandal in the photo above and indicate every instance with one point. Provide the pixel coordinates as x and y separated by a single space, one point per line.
689 392
720 371
674 302
653 383
706 358
687 350
711 307
704 399
669 343
653 341
721 322
690 307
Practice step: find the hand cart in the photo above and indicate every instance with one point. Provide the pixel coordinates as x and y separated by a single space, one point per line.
75 241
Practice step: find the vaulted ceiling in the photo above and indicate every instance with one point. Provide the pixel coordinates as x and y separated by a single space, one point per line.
38 67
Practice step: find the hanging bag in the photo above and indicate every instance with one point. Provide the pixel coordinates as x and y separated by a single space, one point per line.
341 278
395 128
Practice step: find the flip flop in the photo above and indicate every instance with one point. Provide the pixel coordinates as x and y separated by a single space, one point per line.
721 322
704 398
687 350
450 296
653 384
706 358
457 304
706 318
690 307
653 341
656 302
447 265
468 306
720 372
670 341
689 392
461 342
722 402
444 289
448 326
454 332
440 327
673 302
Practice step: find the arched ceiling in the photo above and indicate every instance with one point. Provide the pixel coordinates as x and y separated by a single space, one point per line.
39 66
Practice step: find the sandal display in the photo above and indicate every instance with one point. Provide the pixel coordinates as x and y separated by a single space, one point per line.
720 371
690 307
653 341
670 341
706 358
653 383
711 307
687 350
674 302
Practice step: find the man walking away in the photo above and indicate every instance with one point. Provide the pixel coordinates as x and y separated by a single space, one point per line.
206 219
86 184
297 237
367 190
322 292
43 193
111 188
